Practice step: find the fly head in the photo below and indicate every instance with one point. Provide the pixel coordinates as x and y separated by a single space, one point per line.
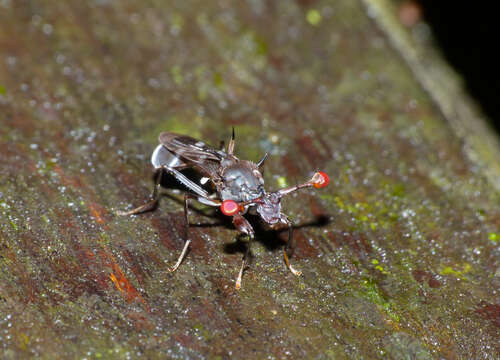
269 208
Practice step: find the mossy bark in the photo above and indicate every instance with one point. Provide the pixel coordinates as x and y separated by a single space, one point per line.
400 254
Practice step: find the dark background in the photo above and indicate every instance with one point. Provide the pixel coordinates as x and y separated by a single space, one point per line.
468 35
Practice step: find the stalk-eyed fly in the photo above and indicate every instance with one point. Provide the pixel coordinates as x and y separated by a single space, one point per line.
238 188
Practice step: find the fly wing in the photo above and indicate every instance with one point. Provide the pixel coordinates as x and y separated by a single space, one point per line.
163 157
193 152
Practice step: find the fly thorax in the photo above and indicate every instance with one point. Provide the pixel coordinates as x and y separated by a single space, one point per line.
242 182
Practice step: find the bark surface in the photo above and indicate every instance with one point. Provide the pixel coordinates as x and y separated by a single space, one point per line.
399 255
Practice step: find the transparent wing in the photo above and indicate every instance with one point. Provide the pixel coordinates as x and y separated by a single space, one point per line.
191 152
163 157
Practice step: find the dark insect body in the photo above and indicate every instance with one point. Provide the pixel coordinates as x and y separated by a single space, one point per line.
238 184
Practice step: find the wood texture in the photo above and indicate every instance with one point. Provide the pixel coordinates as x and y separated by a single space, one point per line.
400 254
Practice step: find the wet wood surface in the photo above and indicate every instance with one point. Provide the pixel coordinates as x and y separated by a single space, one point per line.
400 254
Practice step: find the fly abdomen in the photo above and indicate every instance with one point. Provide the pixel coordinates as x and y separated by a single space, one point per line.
162 157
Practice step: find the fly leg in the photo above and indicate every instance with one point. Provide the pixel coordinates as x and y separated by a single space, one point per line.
290 246
150 205
180 177
244 227
203 200
187 240
237 286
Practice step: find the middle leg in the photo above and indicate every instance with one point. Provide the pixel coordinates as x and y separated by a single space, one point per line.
186 233
203 200
244 227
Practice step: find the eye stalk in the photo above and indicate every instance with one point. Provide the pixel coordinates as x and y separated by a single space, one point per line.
319 180
229 207
268 205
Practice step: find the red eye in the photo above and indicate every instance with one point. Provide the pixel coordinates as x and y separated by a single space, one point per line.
320 180
229 207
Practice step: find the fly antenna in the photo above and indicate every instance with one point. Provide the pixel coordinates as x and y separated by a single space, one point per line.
261 161
230 147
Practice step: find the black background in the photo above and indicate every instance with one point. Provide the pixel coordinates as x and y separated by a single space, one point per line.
468 34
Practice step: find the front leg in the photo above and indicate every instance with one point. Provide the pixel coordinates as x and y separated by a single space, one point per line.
290 245
244 227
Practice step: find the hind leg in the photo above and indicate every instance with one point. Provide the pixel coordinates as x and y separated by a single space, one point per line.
150 205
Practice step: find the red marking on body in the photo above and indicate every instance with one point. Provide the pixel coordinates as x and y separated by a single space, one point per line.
229 207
